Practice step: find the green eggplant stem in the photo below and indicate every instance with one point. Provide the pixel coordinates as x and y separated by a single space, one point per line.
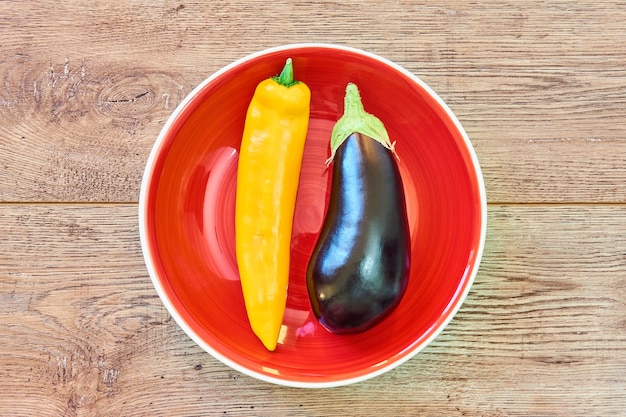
356 120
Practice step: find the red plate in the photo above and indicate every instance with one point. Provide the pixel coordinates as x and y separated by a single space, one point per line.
187 216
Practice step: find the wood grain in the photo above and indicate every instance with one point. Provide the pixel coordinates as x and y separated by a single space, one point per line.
86 90
84 333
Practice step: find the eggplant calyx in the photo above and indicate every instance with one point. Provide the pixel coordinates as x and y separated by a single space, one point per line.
356 120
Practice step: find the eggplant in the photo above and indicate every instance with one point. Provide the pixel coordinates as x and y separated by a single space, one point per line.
359 268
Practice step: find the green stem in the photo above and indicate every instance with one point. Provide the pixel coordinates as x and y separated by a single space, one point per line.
286 75
356 120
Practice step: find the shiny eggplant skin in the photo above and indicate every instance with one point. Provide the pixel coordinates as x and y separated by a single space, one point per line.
359 268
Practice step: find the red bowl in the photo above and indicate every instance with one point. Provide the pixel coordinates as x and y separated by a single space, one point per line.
186 214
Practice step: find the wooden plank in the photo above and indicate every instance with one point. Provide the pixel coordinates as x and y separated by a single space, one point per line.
538 86
84 333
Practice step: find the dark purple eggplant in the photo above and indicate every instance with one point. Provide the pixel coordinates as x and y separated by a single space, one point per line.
359 269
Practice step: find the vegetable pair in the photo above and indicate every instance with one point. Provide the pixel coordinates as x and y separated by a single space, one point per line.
359 268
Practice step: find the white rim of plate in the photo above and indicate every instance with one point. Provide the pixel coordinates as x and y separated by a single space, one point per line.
148 256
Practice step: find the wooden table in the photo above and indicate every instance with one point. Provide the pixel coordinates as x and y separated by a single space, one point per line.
85 88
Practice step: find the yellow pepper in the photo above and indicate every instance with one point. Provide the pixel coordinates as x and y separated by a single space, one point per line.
268 173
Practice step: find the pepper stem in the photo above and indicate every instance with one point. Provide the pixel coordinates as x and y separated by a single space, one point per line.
356 120
286 75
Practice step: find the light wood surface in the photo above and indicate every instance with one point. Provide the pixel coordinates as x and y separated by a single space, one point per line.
540 88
